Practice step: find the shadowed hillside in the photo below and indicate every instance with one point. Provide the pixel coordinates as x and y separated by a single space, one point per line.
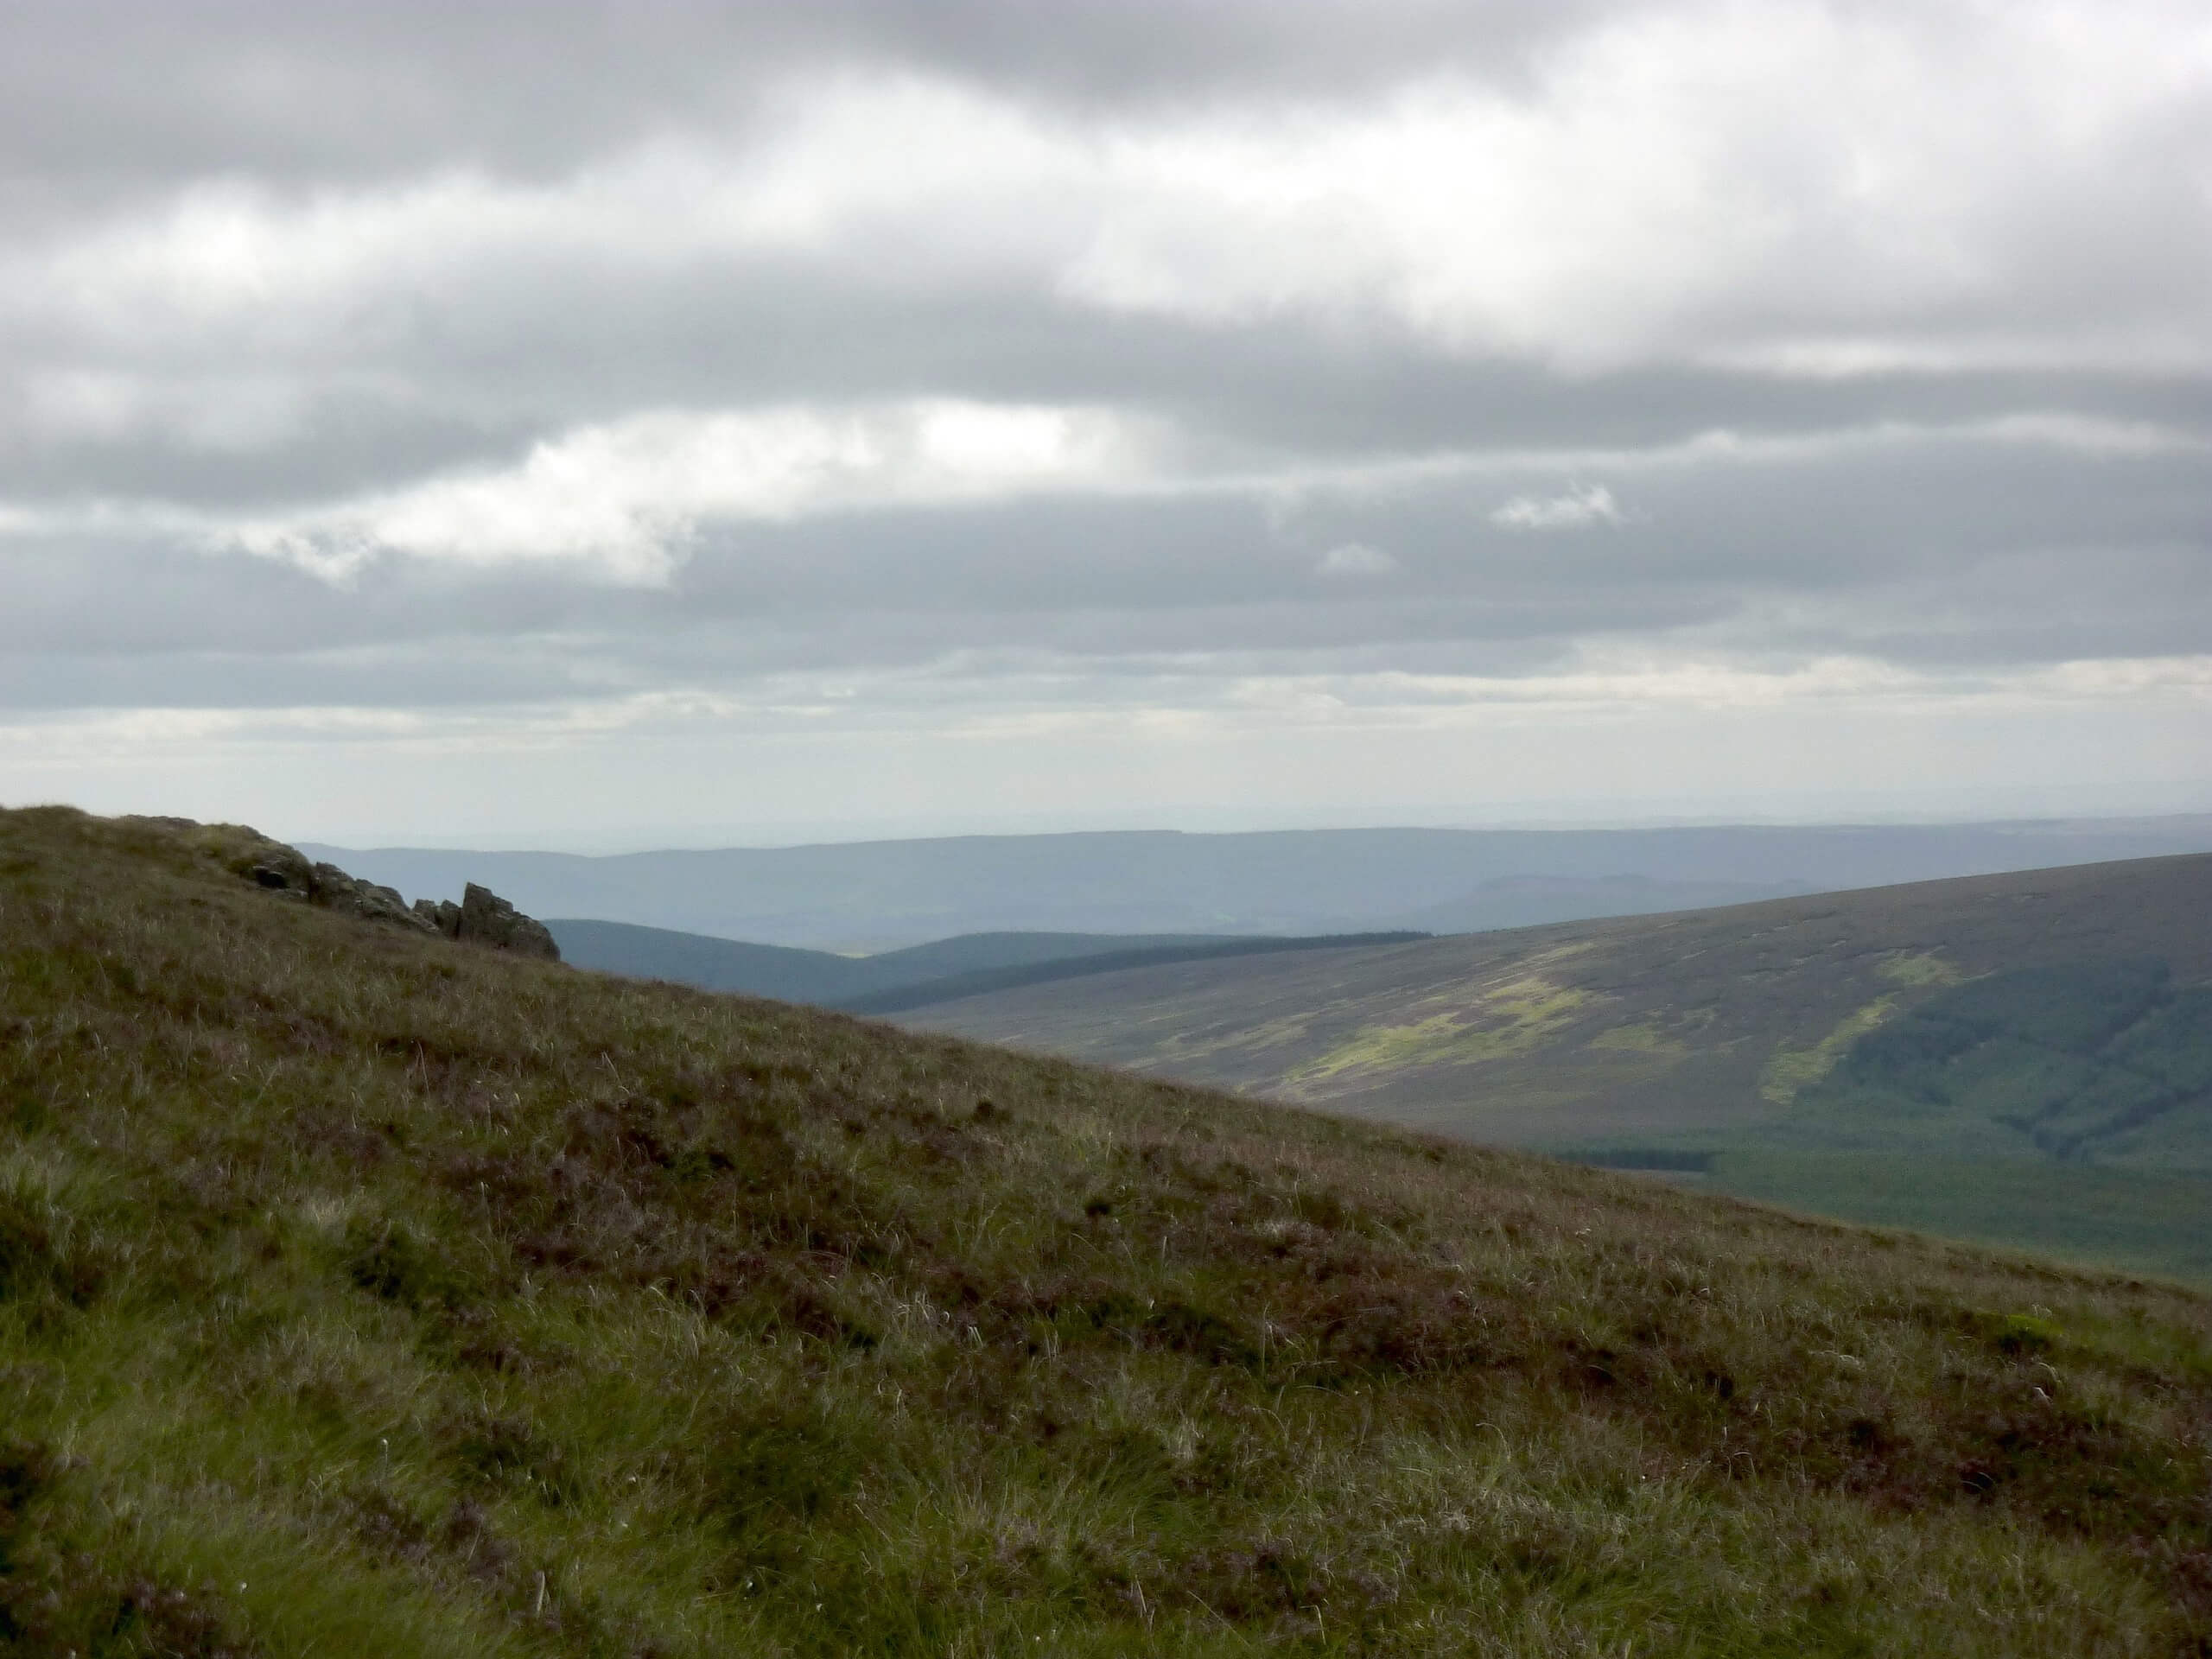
1755 1028
895 980
1625 1026
362 1291
2090 1059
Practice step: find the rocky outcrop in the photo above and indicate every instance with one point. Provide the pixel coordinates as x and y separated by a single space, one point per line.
278 868
333 889
481 918
443 914
487 918
267 863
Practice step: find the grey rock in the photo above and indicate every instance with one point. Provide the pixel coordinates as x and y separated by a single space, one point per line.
382 904
443 914
482 916
487 918
280 868
333 889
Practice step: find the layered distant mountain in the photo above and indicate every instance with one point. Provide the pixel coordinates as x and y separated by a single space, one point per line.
879 896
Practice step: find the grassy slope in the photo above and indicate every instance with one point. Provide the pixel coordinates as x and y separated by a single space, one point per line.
2092 1061
1644 1025
956 987
2149 1222
2065 1107
362 1292
1712 1031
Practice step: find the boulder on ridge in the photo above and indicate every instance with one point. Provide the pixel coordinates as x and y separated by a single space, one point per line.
487 918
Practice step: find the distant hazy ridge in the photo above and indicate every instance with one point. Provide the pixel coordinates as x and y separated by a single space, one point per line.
880 895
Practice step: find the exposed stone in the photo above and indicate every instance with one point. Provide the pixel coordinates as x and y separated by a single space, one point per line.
246 852
487 918
482 916
333 889
442 913
276 866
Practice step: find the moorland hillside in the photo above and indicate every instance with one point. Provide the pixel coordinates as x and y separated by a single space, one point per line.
1868 1052
1625 1026
366 1291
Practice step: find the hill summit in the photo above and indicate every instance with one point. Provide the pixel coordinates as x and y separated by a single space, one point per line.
481 917
361 1294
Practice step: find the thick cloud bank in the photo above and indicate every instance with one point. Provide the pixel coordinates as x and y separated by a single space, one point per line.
424 419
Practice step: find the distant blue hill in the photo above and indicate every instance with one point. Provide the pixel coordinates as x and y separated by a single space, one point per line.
898 979
1144 888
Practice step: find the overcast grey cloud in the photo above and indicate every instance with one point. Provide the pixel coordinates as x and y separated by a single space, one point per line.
565 420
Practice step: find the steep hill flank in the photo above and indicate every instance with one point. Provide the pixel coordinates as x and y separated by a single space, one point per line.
2092 1060
1638 1027
360 1292
1870 1055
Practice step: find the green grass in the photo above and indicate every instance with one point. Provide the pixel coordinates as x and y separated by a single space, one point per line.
1919 970
365 1292
2094 1060
1502 1020
1792 1071
2061 1017
2127 1219
1704 1021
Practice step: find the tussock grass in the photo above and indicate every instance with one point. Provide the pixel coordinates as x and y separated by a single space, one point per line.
366 1293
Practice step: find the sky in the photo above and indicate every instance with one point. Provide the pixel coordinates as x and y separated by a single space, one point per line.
586 426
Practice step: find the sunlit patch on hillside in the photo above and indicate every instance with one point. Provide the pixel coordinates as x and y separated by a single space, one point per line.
1503 1019
1919 969
1274 1033
1792 1070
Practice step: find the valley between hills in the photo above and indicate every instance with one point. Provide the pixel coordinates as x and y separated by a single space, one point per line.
1743 1048
364 1288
